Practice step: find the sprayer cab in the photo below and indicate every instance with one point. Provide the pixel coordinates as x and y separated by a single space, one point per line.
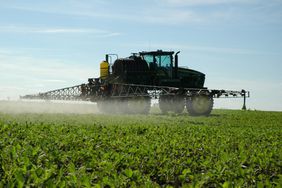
165 66
162 60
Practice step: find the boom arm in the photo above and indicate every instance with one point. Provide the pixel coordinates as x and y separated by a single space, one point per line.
68 93
91 91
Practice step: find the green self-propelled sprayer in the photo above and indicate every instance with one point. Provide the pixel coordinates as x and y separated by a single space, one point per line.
128 84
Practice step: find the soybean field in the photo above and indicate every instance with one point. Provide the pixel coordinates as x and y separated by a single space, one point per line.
227 149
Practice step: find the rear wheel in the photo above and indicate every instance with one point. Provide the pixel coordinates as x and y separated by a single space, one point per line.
120 106
104 106
139 105
178 104
113 106
199 105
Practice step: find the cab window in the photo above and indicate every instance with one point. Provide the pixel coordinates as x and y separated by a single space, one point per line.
148 58
164 61
159 60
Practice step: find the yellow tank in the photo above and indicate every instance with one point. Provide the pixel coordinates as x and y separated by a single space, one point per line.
104 69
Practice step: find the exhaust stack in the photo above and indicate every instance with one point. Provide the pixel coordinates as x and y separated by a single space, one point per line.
176 65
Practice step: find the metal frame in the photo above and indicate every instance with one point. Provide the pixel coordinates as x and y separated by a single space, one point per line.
126 90
133 90
68 93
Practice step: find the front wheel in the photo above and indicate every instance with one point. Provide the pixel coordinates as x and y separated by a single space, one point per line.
199 105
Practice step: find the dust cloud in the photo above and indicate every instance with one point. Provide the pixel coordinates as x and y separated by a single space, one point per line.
22 106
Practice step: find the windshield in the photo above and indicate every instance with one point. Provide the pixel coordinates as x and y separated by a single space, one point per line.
149 59
159 60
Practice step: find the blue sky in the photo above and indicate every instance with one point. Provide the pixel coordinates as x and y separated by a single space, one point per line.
52 44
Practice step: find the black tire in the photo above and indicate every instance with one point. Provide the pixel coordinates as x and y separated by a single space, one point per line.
199 105
164 104
178 104
120 106
104 106
113 106
139 105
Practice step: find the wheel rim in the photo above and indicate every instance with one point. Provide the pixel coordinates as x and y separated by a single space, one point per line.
201 104
198 105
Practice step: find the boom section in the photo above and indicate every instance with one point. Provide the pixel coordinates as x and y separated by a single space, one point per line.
95 91
69 93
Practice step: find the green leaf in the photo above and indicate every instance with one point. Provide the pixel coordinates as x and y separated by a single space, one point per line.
186 171
128 172
226 184
19 178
